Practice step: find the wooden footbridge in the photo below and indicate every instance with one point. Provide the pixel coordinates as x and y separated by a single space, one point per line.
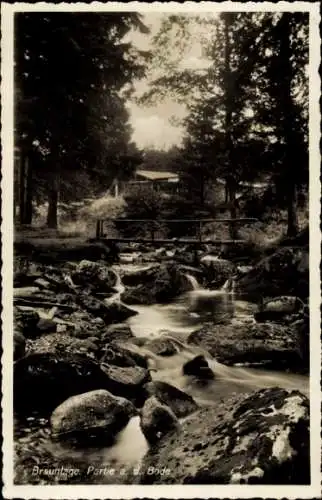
110 230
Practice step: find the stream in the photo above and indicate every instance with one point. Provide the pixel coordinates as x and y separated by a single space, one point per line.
177 320
188 313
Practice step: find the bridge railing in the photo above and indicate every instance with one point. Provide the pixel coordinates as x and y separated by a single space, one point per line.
154 228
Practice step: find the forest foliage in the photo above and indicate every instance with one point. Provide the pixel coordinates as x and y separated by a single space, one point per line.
247 105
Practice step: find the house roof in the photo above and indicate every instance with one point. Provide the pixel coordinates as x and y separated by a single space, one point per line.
152 175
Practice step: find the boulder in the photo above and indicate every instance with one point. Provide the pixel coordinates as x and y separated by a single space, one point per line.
262 438
22 279
277 308
198 367
110 312
161 283
157 419
178 401
186 255
19 343
94 276
284 272
42 283
139 275
44 380
241 253
272 345
162 346
26 322
137 295
25 292
91 418
127 381
46 325
85 324
117 332
134 351
303 335
129 257
123 355
57 343
217 271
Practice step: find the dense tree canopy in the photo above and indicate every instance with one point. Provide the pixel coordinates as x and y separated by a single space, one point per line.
70 69
247 109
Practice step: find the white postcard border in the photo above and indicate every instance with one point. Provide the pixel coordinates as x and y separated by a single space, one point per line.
174 491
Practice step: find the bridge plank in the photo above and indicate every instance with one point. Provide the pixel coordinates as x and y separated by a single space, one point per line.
242 220
164 241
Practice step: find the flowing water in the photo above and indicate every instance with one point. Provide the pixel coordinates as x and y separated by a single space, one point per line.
177 320
187 314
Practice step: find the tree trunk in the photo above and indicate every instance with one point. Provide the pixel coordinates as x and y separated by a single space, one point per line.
292 220
230 191
28 212
52 208
287 107
233 213
202 190
22 188
25 188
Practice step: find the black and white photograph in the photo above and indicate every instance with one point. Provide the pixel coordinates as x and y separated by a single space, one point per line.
161 250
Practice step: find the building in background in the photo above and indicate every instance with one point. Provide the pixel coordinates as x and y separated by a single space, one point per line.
167 182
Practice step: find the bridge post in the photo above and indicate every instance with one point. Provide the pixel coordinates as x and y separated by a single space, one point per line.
98 229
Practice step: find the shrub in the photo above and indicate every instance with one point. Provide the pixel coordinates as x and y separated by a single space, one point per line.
143 202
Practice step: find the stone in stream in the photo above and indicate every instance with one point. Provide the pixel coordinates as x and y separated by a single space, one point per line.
178 401
160 283
140 275
121 354
91 418
111 312
270 344
198 367
94 276
217 271
127 381
44 380
285 272
162 346
129 258
278 308
117 331
157 419
261 438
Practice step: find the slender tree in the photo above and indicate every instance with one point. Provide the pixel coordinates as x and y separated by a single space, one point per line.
65 64
247 110
286 108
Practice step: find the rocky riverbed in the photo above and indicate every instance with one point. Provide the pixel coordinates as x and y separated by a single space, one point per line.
147 360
